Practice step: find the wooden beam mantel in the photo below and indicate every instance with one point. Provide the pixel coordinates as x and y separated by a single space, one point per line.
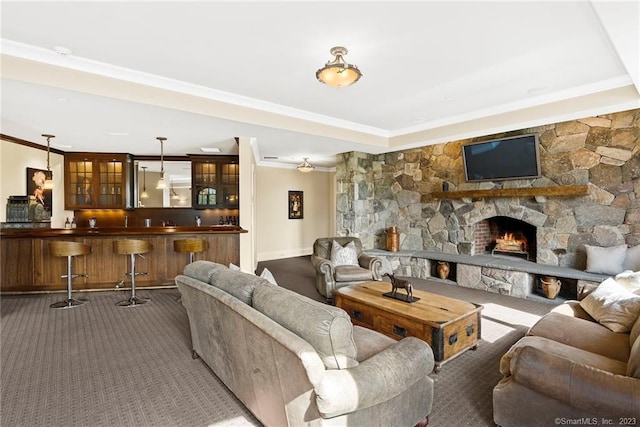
558 191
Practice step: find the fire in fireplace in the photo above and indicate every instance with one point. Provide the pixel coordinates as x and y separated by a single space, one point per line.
509 243
505 236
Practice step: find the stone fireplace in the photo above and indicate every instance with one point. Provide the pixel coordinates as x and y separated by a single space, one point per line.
501 235
377 191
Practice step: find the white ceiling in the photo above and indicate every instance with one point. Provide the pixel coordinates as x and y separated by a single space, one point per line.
202 73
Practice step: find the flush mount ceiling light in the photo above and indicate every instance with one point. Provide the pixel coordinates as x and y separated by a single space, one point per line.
338 73
161 184
209 149
305 166
48 182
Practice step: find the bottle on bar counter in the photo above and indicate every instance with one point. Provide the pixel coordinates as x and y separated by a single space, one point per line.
67 224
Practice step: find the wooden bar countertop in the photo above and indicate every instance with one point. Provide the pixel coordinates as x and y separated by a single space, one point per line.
118 231
39 271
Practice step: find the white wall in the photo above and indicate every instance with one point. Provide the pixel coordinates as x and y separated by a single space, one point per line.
280 237
14 161
248 257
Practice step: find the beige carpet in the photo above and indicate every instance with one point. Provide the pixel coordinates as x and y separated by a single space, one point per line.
102 365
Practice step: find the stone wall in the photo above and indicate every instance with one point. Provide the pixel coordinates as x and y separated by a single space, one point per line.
375 192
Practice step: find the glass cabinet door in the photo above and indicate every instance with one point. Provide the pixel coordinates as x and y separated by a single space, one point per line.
96 181
230 184
111 180
205 183
79 188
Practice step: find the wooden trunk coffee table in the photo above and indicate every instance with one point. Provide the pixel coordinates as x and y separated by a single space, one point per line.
450 326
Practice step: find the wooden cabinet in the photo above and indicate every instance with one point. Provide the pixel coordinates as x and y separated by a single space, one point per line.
215 181
97 181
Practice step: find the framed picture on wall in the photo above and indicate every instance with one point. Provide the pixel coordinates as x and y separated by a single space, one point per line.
35 187
295 205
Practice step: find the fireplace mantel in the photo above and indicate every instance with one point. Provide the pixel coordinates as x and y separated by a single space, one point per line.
557 191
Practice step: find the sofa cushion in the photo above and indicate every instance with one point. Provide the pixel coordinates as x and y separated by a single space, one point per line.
369 342
351 273
573 309
605 260
633 367
236 283
347 255
572 332
632 259
328 329
613 306
634 335
555 349
202 270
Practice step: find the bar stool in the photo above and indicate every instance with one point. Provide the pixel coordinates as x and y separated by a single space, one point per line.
69 250
132 248
190 246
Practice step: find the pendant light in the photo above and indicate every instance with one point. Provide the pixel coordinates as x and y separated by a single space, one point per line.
305 166
48 182
161 183
174 195
144 194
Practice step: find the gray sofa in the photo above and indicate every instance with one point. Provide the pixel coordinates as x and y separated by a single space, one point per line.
294 361
570 367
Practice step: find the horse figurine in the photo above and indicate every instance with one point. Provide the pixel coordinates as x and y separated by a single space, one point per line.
397 283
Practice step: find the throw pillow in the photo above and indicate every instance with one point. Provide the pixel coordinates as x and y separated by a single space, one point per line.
605 260
268 276
632 259
630 281
347 255
613 306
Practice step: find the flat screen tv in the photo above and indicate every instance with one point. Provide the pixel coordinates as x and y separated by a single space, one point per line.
501 159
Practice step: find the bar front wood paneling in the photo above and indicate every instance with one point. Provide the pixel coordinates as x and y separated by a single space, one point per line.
28 266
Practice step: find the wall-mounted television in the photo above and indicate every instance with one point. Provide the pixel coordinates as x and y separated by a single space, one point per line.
517 157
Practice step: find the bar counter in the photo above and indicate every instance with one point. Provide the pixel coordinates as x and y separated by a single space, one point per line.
27 265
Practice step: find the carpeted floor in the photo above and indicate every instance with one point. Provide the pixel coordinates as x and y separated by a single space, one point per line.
463 389
100 365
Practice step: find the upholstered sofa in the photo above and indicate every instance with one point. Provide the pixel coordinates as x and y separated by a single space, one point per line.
334 272
574 366
298 362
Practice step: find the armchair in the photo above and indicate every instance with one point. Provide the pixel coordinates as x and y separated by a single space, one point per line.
330 276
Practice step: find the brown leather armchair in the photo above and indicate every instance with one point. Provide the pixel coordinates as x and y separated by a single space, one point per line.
330 277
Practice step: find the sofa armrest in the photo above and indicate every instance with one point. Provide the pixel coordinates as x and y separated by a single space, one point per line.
377 379
372 263
322 265
576 384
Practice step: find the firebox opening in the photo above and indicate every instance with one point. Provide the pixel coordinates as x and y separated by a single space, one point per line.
502 235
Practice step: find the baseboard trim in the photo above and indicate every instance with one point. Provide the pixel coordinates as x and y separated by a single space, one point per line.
290 253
